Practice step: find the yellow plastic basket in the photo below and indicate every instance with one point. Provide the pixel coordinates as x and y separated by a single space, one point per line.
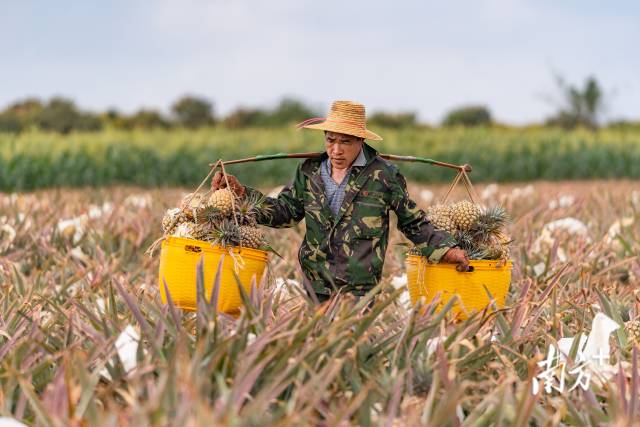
427 280
179 258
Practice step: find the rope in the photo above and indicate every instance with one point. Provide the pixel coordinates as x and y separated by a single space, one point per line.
237 260
452 186
206 178
471 191
473 195
153 246
233 199
421 272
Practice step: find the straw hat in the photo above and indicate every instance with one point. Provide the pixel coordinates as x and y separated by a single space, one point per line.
345 117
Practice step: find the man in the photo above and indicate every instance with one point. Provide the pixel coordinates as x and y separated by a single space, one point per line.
345 197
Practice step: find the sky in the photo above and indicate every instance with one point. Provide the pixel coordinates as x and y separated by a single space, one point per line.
421 56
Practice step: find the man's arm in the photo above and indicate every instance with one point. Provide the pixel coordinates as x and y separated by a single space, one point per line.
415 225
285 210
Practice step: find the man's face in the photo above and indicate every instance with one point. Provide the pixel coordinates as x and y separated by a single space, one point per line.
342 149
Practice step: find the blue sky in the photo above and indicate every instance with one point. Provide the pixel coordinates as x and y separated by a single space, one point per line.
420 56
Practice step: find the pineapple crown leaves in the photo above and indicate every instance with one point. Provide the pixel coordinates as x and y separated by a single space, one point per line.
475 249
247 208
250 206
485 238
226 233
465 240
206 230
490 223
480 253
208 214
258 200
267 247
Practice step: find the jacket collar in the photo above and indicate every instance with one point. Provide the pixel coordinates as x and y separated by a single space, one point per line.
369 152
361 160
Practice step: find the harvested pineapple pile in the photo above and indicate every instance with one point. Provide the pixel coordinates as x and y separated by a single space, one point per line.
478 231
220 219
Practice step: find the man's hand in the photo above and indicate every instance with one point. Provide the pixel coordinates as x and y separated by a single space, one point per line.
457 256
219 182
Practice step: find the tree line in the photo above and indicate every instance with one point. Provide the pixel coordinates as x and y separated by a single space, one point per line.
580 106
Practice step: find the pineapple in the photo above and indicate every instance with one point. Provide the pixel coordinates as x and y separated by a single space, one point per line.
465 214
501 241
438 210
172 218
493 246
478 232
222 200
496 251
187 230
191 203
251 237
220 219
440 217
632 328
444 223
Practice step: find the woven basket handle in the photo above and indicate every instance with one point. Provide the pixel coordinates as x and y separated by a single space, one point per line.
471 191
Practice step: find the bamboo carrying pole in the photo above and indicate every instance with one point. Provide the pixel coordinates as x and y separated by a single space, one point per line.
463 170
466 167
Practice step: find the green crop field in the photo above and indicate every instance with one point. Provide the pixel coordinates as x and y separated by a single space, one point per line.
167 158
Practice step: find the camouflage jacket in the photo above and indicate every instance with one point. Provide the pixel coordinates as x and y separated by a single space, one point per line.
348 250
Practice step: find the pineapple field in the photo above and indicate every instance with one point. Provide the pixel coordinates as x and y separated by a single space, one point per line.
86 340
33 160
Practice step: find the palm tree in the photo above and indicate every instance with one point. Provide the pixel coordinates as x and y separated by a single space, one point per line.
582 107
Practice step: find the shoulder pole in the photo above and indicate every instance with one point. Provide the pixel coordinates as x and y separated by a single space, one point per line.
466 167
